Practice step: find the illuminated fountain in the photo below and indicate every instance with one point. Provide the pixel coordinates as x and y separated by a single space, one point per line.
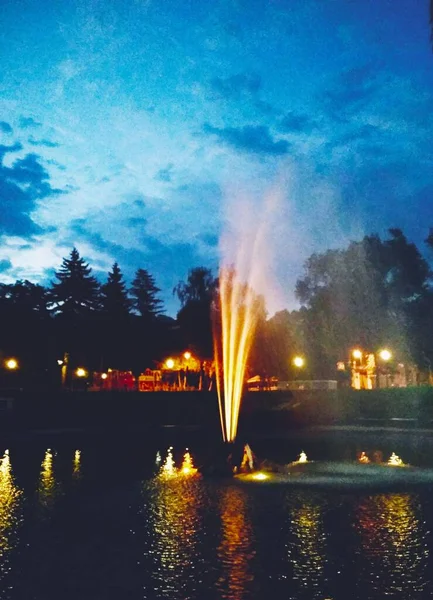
395 461
244 268
188 465
168 469
240 309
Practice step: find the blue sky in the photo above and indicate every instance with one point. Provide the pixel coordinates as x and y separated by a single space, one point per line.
129 128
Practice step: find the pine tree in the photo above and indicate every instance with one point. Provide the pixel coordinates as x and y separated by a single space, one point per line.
145 295
114 298
76 293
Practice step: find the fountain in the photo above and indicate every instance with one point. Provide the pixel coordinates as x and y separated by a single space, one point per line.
244 257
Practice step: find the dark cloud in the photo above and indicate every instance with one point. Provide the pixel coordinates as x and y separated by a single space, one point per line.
296 123
165 174
136 222
256 139
26 122
21 186
13 148
363 133
209 239
266 108
5 265
353 90
55 163
43 142
5 127
236 86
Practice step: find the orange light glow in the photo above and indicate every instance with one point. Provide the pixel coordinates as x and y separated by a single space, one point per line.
11 364
169 363
187 465
240 309
187 355
104 376
299 362
363 458
357 354
80 372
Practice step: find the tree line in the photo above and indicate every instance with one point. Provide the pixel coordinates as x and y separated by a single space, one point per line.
372 294
98 325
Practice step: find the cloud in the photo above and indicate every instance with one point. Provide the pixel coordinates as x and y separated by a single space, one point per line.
43 142
256 139
236 86
165 174
296 123
21 186
168 262
13 148
5 265
5 127
352 91
209 239
26 122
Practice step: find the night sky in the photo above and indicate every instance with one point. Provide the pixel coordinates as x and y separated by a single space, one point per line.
128 127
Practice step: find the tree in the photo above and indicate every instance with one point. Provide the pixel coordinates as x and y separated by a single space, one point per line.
144 294
77 292
196 296
114 297
364 295
200 287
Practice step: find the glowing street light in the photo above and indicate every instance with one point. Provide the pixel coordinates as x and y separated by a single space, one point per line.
299 362
357 354
169 363
104 375
187 355
385 355
11 364
80 372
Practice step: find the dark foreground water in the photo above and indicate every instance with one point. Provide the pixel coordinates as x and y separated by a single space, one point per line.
98 524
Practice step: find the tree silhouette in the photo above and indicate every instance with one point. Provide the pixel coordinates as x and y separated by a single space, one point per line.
196 296
77 292
114 296
144 292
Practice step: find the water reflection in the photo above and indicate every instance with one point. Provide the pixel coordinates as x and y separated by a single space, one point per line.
393 544
306 547
175 522
10 514
236 549
48 488
76 471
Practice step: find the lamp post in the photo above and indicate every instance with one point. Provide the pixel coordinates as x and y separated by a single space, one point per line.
386 355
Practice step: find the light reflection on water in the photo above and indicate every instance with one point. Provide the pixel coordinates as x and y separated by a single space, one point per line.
236 549
175 522
306 547
10 514
393 543
202 537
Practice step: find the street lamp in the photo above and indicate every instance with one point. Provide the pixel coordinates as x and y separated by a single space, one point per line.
385 355
80 372
169 363
11 364
357 354
299 362
187 355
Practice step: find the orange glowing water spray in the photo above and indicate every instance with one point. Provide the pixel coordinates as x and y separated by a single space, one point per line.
240 306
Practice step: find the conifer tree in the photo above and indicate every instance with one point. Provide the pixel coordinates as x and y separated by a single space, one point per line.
77 292
114 298
144 294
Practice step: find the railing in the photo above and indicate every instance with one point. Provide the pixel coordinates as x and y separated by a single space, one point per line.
312 384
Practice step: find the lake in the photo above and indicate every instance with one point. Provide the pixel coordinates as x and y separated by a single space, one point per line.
91 519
